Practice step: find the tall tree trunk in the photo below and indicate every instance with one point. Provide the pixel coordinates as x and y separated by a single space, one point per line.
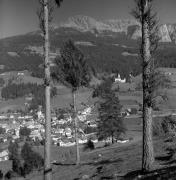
112 135
47 153
76 128
148 156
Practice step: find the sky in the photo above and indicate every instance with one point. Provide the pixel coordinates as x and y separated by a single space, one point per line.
19 16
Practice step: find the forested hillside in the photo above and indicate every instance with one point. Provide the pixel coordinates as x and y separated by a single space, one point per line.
110 52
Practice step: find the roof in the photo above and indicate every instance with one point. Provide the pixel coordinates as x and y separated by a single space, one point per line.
4 153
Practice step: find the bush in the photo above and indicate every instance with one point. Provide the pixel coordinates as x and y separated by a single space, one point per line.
32 160
1 175
107 144
89 145
8 175
133 111
16 166
163 126
157 127
89 130
2 130
168 124
24 131
131 138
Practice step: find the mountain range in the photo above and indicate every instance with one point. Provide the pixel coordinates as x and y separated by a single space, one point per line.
108 45
130 27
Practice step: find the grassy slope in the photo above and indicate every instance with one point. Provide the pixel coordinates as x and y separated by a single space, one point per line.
115 160
12 104
63 99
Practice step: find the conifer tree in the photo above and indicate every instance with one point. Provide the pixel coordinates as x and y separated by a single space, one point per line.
143 13
73 71
45 16
110 122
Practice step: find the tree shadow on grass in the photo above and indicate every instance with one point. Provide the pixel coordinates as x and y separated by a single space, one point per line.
95 163
168 140
158 174
163 158
63 164
103 162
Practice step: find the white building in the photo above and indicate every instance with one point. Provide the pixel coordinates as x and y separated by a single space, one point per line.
68 132
4 155
118 79
40 115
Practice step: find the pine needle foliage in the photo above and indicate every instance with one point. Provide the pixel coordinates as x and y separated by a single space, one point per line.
110 122
58 2
72 69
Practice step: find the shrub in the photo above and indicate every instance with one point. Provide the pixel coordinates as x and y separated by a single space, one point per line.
163 126
8 175
1 175
107 144
16 166
131 138
24 131
157 127
2 130
133 111
89 145
168 124
13 150
32 159
89 130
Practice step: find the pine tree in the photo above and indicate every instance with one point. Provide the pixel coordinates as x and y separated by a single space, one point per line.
45 16
13 149
1 175
148 20
110 122
73 71
58 2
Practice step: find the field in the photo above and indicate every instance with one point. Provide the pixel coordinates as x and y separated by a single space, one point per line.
61 100
12 104
128 96
64 98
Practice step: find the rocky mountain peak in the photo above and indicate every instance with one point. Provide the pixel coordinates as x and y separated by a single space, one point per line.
85 23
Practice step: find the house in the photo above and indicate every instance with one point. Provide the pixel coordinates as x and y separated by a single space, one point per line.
20 74
59 131
3 138
40 115
3 117
118 79
62 121
35 134
4 155
68 132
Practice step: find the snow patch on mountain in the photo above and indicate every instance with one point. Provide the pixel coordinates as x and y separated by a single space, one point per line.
13 54
131 28
84 43
129 54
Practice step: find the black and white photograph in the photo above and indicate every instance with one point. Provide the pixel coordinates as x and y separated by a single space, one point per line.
87 89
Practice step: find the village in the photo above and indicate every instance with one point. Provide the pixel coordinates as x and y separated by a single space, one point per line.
62 129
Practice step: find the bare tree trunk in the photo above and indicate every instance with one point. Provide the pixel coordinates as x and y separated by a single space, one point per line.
47 153
76 128
148 155
112 135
